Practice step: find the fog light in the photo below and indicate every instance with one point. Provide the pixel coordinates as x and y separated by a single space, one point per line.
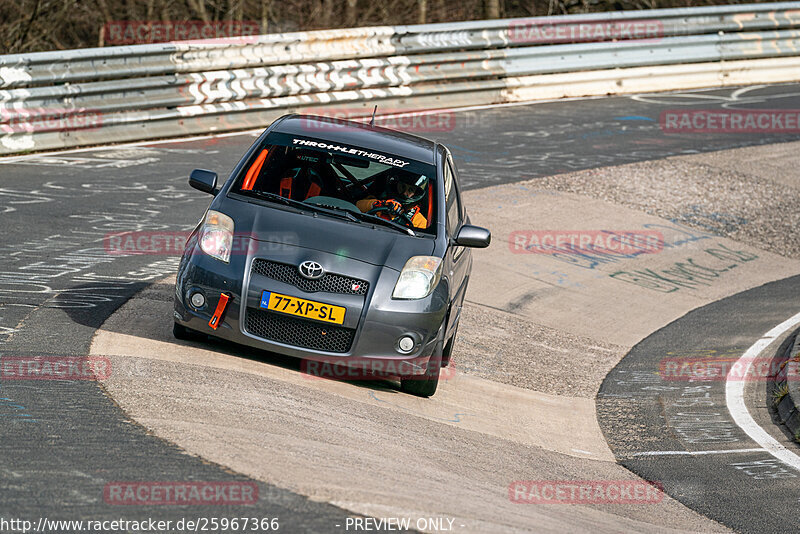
406 344
198 300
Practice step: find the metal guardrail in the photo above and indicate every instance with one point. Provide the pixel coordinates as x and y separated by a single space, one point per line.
78 97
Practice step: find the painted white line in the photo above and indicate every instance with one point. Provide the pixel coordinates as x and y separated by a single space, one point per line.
693 453
492 106
734 396
143 142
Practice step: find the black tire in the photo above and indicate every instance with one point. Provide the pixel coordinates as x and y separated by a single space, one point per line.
185 334
423 385
447 353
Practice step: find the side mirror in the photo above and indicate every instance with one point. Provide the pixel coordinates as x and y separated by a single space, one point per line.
473 236
203 180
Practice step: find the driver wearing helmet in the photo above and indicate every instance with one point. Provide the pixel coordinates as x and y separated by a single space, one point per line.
404 191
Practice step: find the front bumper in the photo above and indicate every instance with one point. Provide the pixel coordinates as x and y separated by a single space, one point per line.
374 322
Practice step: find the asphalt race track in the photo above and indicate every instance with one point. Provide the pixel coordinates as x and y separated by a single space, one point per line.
64 441
751 489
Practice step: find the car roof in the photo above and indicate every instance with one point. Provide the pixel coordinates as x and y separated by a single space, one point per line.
362 135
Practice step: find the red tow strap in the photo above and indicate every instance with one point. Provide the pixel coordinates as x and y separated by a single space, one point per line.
221 305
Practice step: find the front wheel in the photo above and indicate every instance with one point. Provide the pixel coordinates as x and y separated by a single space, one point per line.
447 354
423 385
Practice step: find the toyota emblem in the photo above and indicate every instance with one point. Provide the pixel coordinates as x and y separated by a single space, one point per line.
311 270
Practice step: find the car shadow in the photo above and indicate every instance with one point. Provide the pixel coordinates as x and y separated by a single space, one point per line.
379 383
90 304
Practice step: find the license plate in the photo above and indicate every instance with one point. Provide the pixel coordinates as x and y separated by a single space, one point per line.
309 309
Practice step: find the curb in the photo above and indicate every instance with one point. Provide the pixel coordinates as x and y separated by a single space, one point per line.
787 387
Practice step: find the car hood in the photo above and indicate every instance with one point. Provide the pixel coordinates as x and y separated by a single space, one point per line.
376 245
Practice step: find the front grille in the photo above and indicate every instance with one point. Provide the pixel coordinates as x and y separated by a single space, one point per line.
288 274
298 332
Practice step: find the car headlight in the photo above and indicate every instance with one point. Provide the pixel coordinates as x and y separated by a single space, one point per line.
216 235
418 278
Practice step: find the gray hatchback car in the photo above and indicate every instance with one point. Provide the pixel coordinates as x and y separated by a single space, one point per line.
340 243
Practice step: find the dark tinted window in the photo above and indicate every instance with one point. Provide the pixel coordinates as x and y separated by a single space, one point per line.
304 170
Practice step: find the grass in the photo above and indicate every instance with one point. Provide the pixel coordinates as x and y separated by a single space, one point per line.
780 393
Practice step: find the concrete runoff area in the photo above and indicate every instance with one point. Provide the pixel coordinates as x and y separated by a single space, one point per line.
604 296
539 333
453 455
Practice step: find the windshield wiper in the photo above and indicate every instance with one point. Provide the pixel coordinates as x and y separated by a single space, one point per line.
385 222
334 212
277 198
361 217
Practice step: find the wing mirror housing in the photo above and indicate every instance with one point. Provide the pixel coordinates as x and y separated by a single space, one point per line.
203 180
473 236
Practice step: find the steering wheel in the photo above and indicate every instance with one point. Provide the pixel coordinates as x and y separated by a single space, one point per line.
380 209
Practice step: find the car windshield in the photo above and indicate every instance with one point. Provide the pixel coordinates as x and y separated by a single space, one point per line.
344 177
